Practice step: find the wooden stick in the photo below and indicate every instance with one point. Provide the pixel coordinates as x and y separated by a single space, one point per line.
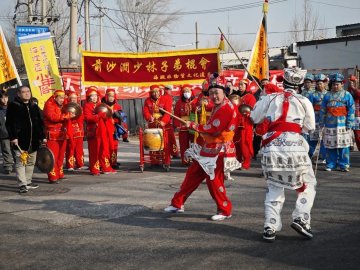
174 116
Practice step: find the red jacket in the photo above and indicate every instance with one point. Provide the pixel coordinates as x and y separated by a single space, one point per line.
78 126
247 99
54 120
182 109
151 107
91 119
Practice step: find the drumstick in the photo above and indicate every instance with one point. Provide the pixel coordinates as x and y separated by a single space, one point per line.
174 116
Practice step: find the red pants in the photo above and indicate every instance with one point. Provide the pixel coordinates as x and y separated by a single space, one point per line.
96 158
357 138
75 156
174 151
113 152
184 140
58 149
125 135
244 146
193 178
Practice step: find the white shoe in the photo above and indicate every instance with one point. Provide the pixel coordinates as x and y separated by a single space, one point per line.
83 168
172 209
70 169
328 169
219 217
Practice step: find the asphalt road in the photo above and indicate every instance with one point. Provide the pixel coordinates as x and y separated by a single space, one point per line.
117 222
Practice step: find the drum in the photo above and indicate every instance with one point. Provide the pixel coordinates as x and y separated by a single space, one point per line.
153 139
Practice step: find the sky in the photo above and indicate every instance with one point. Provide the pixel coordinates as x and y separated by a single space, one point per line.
242 24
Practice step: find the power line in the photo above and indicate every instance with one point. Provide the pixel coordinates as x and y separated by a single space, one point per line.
200 12
333 5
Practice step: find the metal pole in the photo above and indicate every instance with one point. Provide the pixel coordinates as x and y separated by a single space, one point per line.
43 12
231 47
30 11
87 26
196 36
73 55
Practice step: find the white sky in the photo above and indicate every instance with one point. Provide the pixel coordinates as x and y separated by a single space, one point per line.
239 22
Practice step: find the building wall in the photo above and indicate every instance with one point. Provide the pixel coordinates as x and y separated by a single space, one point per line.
336 55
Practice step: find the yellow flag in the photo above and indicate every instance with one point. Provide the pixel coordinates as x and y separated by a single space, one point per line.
41 65
222 43
258 65
8 70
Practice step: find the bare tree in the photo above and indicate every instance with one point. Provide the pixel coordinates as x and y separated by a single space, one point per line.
144 21
307 26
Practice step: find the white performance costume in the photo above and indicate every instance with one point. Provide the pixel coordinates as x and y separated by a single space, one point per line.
285 161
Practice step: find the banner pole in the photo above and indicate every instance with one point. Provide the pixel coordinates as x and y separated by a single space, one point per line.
231 47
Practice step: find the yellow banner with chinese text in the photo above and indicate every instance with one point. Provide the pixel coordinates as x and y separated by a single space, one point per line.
8 70
41 66
143 69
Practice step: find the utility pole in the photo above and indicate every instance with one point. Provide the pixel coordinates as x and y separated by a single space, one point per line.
30 11
43 12
101 15
87 26
73 33
196 36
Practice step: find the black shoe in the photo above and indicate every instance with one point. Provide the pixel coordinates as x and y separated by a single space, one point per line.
302 227
269 234
7 172
32 186
23 189
126 140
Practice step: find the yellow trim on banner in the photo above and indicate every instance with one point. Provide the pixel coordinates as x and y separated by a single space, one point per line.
89 83
150 54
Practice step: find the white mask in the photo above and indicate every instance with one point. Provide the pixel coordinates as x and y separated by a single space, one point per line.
187 95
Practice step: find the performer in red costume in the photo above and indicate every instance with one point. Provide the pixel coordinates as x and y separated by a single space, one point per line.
172 140
183 110
75 147
244 135
156 119
110 100
55 125
214 158
98 134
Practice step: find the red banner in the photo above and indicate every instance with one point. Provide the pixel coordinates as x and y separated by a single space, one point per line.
72 82
144 69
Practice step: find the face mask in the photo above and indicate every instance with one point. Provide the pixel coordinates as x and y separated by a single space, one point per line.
227 90
187 95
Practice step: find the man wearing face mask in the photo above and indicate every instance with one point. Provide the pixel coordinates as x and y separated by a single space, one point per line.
183 110
229 88
55 125
157 119
244 137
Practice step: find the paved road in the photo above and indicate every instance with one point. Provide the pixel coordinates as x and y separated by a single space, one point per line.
117 222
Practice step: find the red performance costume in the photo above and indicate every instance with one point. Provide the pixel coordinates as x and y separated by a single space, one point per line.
354 90
156 119
244 134
98 132
110 100
75 147
183 110
171 135
213 159
55 125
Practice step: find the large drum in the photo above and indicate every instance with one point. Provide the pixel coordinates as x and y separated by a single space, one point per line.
153 139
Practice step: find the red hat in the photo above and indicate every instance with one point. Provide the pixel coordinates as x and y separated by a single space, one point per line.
92 90
70 93
271 89
110 90
189 86
353 78
59 92
154 87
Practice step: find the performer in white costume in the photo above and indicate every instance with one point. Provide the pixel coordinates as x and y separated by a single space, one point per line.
285 162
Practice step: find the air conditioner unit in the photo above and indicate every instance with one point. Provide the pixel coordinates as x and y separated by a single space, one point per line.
293 48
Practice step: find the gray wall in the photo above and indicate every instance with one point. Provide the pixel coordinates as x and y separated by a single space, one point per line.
335 55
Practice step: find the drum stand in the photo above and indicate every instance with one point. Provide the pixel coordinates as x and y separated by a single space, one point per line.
154 157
